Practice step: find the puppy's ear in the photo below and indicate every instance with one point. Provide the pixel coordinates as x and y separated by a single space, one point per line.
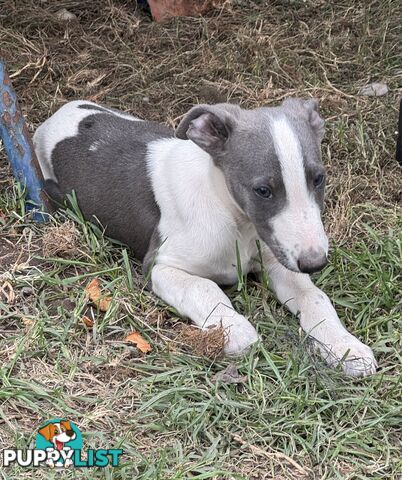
316 121
48 431
309 109
208 126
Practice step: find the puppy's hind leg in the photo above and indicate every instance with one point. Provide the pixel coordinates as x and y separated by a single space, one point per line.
205 304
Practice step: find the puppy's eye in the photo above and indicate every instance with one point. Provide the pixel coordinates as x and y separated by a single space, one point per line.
264 192
319 180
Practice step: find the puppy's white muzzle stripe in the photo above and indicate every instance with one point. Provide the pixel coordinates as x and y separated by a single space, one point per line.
298 228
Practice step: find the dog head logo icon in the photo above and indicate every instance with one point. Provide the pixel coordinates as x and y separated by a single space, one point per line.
59 437
58 433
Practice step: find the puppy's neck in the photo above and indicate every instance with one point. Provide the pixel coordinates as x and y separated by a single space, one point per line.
217 181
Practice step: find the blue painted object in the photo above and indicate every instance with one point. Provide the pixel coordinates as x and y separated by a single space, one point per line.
19 147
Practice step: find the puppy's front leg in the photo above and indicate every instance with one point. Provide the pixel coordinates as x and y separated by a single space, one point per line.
204 303
319 319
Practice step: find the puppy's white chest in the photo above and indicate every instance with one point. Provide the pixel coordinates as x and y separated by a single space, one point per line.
234 258
218 252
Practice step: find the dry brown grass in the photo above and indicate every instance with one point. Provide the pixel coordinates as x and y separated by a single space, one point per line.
61 241
208 343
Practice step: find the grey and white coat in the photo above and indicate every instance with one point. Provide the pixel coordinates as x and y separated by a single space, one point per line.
184 202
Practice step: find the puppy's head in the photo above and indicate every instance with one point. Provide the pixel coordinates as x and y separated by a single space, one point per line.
271 161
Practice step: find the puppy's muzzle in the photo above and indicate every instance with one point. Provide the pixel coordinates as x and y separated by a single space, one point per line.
312 261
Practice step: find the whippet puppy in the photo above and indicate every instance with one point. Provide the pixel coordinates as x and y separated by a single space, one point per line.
230 184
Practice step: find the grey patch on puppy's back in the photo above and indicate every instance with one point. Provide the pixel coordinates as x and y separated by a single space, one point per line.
112 183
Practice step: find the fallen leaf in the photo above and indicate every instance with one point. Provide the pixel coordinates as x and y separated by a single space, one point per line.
230 375
93 293
87 321
27 321
142 345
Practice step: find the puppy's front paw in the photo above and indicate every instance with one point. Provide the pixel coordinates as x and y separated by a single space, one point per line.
240 337
240 334
355 358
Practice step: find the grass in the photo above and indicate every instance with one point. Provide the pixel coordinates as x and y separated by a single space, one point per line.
294 417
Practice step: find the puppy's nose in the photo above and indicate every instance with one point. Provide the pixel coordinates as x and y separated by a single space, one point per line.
312 261
70 433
